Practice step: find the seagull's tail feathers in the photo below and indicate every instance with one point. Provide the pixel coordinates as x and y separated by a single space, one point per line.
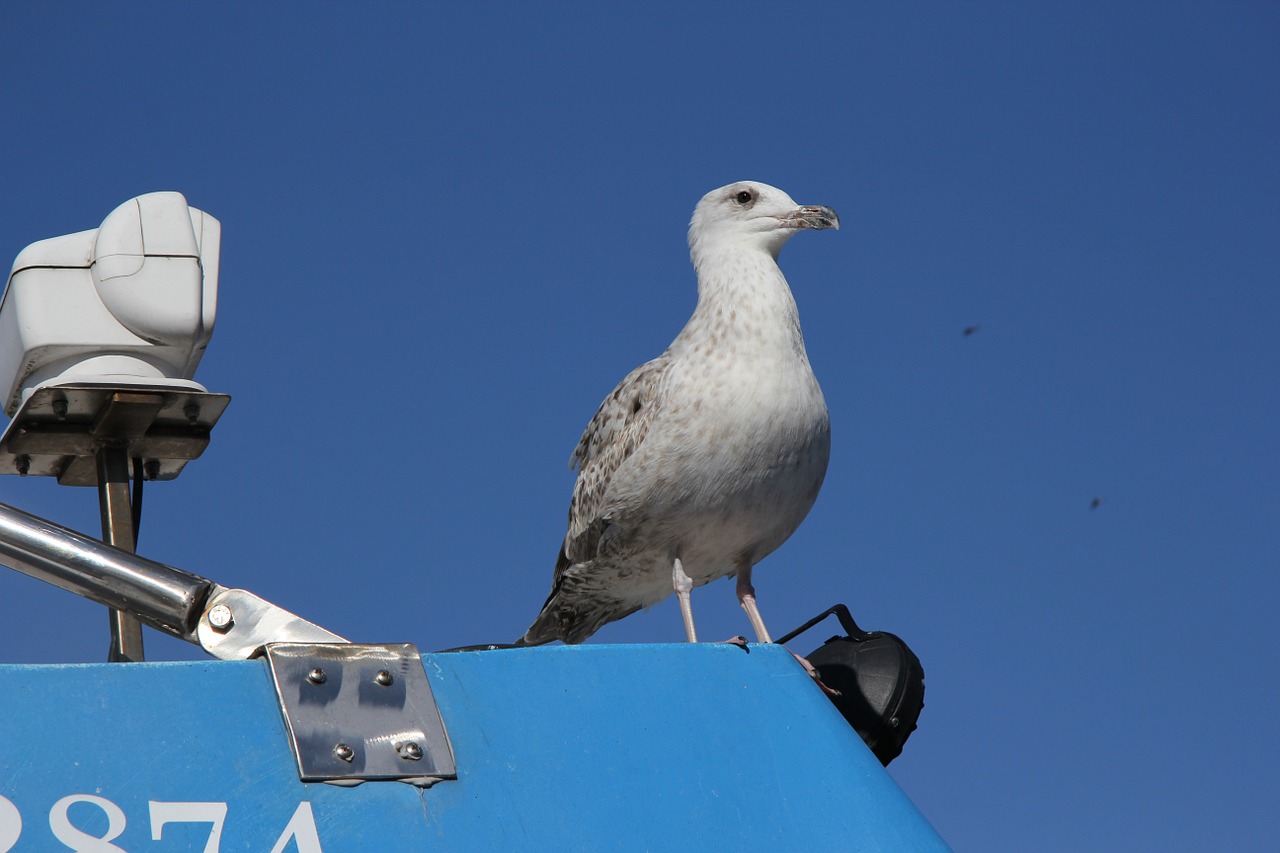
576 608
545 629
572 622
559 620
537 635
549 626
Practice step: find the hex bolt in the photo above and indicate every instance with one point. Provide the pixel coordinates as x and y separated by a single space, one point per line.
344 752
410 752
23 463
220 618
384 678
317 676
60 409
192 411
151 468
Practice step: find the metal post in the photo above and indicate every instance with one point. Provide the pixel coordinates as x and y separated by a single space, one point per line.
117 531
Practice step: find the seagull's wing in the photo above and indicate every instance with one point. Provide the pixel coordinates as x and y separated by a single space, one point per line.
618 428
577 606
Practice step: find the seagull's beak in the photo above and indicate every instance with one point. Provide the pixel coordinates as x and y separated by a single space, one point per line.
811 216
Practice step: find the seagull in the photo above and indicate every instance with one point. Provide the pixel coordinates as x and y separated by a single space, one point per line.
707 458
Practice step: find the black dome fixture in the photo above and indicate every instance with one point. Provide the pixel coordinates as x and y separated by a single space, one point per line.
881 681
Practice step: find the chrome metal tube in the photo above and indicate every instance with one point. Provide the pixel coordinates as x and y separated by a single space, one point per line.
163 597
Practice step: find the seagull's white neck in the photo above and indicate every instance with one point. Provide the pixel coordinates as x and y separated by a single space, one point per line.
742 296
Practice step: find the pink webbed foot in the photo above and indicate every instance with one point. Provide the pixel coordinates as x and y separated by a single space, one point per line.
813 673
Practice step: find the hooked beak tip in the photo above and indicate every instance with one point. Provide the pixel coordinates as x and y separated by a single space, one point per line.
815 216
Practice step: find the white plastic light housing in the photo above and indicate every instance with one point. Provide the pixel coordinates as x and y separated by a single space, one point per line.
132 302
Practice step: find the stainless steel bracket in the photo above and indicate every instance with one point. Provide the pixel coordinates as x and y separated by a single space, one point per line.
353 712
359 713
59 428
237 624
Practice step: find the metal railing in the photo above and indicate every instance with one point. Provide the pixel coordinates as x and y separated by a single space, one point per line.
227 623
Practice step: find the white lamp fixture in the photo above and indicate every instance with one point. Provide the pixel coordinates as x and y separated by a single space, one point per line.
125 309
129 303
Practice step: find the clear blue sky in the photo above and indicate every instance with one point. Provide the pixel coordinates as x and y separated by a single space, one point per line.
449 231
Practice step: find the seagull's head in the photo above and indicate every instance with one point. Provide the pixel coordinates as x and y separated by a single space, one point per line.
752 215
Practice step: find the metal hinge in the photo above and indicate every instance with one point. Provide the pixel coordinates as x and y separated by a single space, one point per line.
359 713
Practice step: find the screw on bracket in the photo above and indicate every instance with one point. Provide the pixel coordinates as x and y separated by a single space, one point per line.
384 678
220 618
344 752
410 751
23 464
317 676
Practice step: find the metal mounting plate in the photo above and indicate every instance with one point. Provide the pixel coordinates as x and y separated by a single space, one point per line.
59 428
360 712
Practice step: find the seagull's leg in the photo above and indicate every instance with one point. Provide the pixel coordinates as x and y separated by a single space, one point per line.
684 585
747 598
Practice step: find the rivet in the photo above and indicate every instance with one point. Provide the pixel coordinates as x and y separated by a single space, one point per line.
384 678
317 676
220 617
344 752
411 752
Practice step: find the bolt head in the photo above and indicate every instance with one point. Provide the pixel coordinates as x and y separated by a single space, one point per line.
317 676
220 617
384 678
411 752
344 752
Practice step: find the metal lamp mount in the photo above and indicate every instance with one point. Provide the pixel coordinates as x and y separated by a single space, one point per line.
104 436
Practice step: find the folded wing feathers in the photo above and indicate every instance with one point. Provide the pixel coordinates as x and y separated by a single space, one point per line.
618 428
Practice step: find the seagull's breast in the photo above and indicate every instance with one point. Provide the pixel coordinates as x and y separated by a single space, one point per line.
737 454
764 450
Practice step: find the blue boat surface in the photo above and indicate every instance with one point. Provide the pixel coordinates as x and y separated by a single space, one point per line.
593 747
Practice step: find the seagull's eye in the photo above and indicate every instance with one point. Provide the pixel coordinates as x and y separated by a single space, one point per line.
743 197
